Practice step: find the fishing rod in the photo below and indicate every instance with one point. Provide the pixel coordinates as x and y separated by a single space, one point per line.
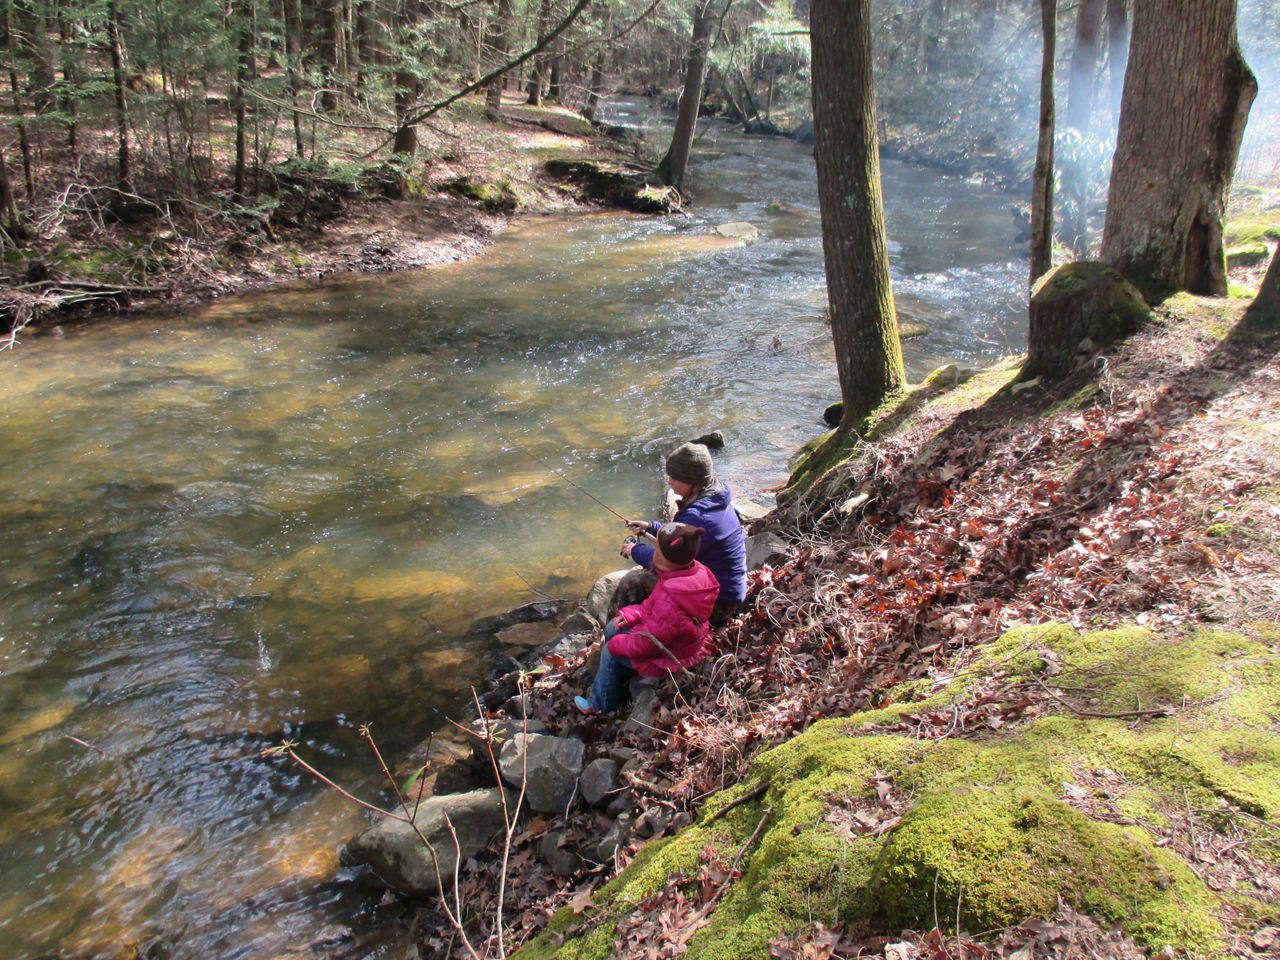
560 474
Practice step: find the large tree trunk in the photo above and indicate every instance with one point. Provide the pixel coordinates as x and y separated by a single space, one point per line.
1266 305
540 62
864 324
1117 52
1084 65
1042 177
1187 93
672 167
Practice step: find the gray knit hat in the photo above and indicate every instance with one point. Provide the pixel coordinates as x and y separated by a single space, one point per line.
691 463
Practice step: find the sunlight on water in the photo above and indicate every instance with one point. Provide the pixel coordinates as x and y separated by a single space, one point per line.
276 517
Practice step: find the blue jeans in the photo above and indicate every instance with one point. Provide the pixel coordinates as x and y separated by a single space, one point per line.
613 677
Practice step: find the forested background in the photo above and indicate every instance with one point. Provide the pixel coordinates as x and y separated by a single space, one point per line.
207 110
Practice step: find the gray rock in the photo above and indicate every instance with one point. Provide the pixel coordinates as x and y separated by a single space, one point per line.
653 822
549 767
579 622
624 801
500 734
597 602
564 861
750 512
765 548
640 717
598 780
713 440
397 855
618 836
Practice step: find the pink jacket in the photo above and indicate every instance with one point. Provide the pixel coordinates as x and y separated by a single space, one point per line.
676 613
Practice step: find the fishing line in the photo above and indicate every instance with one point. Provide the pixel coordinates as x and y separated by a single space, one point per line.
558 473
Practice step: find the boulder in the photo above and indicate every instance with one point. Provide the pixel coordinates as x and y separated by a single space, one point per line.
1074 303
396 854
833 413
596 605
712 441
736 231
499 735
765 548
750 512
579 622
549 767
539 611
599 780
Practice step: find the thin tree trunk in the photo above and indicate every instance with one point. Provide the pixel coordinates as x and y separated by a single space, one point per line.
408 86
1042 178
864 323
70 83
293 55
672 167
124 170
1187 95
6 197
240 17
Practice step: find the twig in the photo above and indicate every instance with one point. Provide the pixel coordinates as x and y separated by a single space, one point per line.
1121 715
757 791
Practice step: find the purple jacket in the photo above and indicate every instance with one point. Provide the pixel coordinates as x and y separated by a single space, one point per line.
724 545
676 613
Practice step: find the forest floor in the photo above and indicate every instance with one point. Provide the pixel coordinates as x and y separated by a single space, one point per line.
89 255
1142 491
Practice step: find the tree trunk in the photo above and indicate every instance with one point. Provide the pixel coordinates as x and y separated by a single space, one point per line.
329 14
1187 94
1042 178
497 42
672 167
12 224
408 87
1084 65
124 170
595 87
1117 52
240 17
555 84
864 323
1266 305
293 55
539 73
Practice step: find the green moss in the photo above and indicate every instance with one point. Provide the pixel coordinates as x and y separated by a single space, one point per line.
498 197
1248 254
1218 530
986 830
1250 230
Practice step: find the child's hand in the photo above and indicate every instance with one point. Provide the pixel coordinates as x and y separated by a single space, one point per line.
627 547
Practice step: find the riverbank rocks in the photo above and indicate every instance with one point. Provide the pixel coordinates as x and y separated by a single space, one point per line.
399 858
765 549
549 767
600 778
736 231
598 600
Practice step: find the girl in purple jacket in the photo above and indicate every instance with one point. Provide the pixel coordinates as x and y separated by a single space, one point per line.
667 631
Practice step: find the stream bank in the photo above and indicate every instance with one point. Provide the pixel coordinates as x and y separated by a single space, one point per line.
1015 671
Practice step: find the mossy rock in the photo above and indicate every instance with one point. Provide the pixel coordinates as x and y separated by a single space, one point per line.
995 830
492 197
1248 255
1076 309
596 182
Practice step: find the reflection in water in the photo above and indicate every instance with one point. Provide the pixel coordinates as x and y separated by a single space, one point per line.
276 517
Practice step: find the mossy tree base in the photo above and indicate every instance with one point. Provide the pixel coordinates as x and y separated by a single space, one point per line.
1075 304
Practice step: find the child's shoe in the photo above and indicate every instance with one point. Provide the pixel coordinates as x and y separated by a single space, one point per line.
584 706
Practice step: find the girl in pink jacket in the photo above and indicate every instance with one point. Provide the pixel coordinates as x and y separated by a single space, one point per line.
664 633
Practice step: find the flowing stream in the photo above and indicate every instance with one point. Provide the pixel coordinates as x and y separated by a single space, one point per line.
276 516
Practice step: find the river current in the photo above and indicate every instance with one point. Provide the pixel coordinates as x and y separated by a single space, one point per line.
274 517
